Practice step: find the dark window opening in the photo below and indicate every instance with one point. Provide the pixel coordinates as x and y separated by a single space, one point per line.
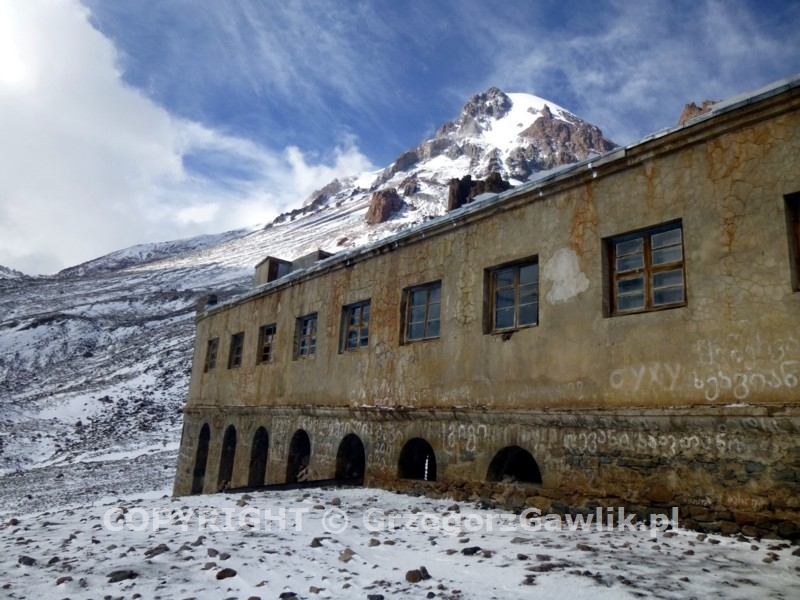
647 270
355 326
266 341
258 458
422 312
306 337
299 457
514 296
417 461
211 354
793 227
237 349
200 460
514 464
350 460
226 458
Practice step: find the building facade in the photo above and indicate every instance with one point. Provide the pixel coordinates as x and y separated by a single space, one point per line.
622 332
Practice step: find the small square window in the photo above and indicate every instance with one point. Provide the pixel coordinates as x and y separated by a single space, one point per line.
514 296
211 354
266 341
647 270
422 311
355 326
237 349
306 336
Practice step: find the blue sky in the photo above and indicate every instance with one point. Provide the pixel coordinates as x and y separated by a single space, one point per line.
130 121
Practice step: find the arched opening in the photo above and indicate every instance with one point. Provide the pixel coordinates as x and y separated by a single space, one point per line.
258 458
514 464
200 460
299 457
226 458
417 461
351 461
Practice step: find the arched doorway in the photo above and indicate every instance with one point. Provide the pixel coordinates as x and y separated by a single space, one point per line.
299 457
417 461
200 460
351 461
514 464
258 458
226 458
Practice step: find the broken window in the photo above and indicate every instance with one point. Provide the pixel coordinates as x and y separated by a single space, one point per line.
266 339
417 461
355 326
647 270
306 336
237 348
422 311
514 294
211 354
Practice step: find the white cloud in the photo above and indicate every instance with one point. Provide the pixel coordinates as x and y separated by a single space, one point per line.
89 165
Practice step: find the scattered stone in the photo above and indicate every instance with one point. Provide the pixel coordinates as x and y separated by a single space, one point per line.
424 572
53 561
64 579
13 522
702 537
522 556
28 561
287 595
199 541
225 573
121 575
224 556
316 542
470 550
375 597
585 547
156 550
346 555
455 508
336 501
315 590
373 542
413 576
212 552
209 565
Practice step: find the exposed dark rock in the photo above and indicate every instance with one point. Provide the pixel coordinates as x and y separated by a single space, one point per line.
413 576
225 573
463 191
121 575
383 205
28 561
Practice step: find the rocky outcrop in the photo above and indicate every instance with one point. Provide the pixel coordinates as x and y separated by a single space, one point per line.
691 110
463 191
555 141
383 205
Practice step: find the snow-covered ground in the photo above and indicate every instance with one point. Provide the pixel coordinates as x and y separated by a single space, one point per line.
364 543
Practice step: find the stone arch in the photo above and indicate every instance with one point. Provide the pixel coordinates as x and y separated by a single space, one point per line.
299 457
258 458
514 464
201 459
226 458
417 461
351 461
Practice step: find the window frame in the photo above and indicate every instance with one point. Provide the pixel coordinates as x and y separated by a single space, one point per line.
648 271
236 350
212 350
407 307
491 280
359 328
301 335
266 343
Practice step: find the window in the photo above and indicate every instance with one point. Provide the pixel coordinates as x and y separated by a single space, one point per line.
647 271
306 336
422 309
355 326
211 354
266 340
514 296
237 348
793 225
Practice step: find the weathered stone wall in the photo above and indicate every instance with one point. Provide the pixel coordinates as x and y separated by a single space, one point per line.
695 405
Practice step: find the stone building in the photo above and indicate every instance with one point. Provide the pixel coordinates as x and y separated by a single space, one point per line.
623 332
